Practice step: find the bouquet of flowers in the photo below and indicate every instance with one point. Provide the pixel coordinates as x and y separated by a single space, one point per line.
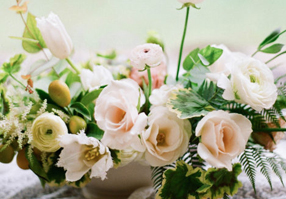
197 131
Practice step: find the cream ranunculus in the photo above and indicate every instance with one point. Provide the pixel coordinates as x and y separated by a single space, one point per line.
223 137
116 113
146 54
220 66
46 129
166 138
129 155
251 82
81 154
190 1
55 36
92 80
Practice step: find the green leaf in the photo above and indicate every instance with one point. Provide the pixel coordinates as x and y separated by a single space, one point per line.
209 55
81 182
56 174
181 182
191 60
91 96
223 181
187 103
43 95
80 108
32 32
92 130
25 39
275 48
15 64
3 77
71 78
111 55
270 38
4 104
186 5
114 154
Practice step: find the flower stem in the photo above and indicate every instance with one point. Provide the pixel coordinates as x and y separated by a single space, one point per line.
254 53
182 43
275 57
269 129
18 81
150 81
72 65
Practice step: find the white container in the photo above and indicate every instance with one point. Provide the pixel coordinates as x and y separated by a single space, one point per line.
120 182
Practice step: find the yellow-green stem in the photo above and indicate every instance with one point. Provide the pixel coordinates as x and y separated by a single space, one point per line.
72 65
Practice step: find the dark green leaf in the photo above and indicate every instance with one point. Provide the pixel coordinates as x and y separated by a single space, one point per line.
275 48
32 32
4 104
93 130
43 95
91 96
114 155
56 174
80 108
3 77
209 55
270 38
187 103
191 60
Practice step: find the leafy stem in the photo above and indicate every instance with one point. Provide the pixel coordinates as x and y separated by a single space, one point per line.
182 43
72 65
275 57
17 81
150 81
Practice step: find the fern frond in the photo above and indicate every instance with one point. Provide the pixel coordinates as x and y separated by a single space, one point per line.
270 115
275 167
248 163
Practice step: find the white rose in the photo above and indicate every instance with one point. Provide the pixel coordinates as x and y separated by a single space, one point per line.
220 66
55 36
81 154
46 129
223 137
251 82
92 80
159 97
129 155
166 138
190 1
116 113
146 54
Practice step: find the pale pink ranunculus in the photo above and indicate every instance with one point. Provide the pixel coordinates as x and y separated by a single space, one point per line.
166 138
116 113
158 76
223 137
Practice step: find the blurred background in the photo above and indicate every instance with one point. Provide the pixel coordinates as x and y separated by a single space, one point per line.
96 25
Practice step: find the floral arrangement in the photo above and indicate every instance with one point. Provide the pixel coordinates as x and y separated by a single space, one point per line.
197 131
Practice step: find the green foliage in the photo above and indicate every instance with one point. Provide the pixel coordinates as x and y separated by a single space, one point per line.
92 130
186 103
187 5
72 78
56 174
111 55
271 38
222 181
32 32
14 65
91 96
154 38
181 182
80 108
114 155
275 48
81 182
4 103
196 76
158 175
206 57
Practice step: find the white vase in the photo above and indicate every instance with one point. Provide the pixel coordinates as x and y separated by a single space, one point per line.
120 182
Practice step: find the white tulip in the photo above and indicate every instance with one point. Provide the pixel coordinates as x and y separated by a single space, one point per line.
55 36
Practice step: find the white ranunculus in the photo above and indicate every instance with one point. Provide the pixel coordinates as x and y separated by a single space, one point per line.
251 82
166 138
220 66
146 54
223 137
92 80
116 113
129 155
81 154
55 36
159 97
46 129
190 1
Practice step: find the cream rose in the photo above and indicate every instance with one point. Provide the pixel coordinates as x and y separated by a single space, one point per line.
190 1
46 130
55 35
116 113
166 138
92 80
81 154
251 82
223 137
146 54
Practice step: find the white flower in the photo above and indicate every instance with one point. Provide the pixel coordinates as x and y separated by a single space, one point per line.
166 138
159 97
116 113
46 129
81 154
220 66
223 137
251 82
129 155
146 54
55 36
92 80
190 1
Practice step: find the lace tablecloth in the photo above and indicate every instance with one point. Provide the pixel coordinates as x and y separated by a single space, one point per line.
23 184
